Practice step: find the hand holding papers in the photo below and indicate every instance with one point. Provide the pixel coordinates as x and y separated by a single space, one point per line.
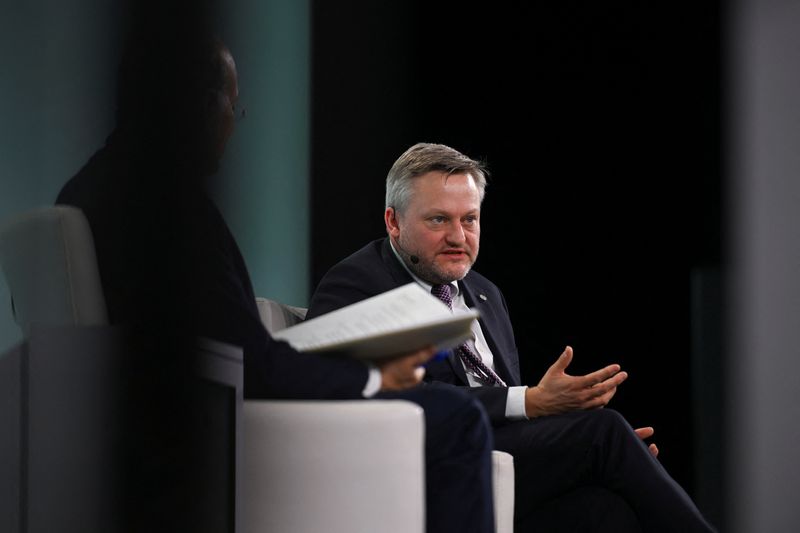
396 322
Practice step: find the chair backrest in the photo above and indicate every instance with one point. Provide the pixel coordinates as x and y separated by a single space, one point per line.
49 261
277 316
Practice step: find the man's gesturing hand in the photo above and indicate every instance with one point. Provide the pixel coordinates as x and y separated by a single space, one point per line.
558 392
404 371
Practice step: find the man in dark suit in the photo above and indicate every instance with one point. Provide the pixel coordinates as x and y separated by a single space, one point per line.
578 468
171 268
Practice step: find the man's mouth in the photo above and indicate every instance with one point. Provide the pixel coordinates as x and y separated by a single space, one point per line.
454 254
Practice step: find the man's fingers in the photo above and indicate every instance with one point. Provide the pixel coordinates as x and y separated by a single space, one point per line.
594 388
599 376
608 377
563 360
600 400
653 450
646 433
404 371
428 353
618 378
425 355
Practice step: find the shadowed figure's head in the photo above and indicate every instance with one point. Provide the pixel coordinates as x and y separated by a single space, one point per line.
177 93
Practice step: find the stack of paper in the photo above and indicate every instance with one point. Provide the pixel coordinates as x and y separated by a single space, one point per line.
400 321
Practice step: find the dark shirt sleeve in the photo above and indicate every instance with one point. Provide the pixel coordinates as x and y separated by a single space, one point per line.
222 306
170 267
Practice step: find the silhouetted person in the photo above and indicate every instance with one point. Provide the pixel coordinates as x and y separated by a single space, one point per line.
171 269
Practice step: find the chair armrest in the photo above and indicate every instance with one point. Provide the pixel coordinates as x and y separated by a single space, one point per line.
503 489
334 466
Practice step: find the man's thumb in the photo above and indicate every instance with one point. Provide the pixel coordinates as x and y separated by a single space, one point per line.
564 359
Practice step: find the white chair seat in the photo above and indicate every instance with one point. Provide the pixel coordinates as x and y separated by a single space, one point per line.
338 467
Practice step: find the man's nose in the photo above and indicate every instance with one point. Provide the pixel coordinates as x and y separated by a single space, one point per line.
455 234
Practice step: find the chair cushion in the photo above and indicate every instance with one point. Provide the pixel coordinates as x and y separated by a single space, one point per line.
50 265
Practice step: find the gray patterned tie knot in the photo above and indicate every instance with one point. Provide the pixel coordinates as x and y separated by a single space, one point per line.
471 360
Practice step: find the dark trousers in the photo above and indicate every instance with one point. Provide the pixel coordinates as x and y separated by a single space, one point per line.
589 471
458 467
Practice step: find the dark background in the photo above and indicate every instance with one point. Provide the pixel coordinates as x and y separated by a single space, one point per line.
601 128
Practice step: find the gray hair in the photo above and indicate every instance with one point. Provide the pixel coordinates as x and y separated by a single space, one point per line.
423 158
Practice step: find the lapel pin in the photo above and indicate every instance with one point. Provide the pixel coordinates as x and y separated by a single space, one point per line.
482 297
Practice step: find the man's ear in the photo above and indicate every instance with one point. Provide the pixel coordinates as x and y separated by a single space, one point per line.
392 225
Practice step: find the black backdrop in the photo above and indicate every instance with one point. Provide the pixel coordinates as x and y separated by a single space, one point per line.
601 128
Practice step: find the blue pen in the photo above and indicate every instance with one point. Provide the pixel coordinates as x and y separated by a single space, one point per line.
441 355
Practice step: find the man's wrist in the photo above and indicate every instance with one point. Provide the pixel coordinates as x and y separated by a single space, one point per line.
532 408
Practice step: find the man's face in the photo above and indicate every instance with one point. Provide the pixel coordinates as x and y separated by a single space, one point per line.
229 98
440 226
219 117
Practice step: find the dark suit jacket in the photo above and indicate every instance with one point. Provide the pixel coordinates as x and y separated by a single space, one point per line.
375 269
169 264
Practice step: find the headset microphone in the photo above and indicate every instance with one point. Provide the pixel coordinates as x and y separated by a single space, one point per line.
413 258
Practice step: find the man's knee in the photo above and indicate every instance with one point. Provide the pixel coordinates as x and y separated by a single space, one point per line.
461 417
478 422
466 415
607 420
451 413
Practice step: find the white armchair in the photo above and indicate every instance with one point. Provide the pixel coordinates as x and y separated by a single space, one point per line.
360 419
333 466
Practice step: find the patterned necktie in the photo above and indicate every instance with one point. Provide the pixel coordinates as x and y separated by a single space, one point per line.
471 360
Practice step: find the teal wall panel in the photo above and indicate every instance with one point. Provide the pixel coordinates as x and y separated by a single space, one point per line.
263 186
56 103
57 107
